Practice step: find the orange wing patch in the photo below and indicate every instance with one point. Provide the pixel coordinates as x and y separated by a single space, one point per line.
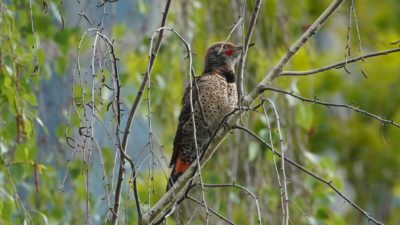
181 166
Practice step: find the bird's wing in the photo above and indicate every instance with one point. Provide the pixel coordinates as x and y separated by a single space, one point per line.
184 117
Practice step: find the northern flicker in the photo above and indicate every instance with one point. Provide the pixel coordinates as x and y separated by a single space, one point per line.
217 96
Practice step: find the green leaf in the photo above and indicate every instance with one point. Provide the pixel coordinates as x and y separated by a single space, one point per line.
43 218
253 150
304 116
30 98
7 209
322 213
24 152
18 171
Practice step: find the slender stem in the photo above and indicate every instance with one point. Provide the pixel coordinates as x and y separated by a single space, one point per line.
328 104
233 184
301 168
245 48
129 122
269 128
277 69
149 216
338 64
210 209
284 196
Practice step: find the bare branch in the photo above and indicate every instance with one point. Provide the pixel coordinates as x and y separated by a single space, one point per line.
231 32
301 168
242 61
129 122
347 52
328 104
269 128
191 100
277 69
175 192
359 38
284 192
211 210
339 64
233 184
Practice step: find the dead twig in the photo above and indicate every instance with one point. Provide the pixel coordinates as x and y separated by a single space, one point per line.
246 46
129 122
339 64
329 104
301 168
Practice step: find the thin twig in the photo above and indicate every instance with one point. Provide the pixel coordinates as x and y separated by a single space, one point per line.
34 47
117 110
150 137
147 219
209 209
129 122
359 39
338 65
191 100
347 49
242 60
230 33
301 168
283 184
277 69
329 104
269 127
233 184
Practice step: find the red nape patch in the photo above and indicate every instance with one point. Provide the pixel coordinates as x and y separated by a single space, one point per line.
180 166
229 52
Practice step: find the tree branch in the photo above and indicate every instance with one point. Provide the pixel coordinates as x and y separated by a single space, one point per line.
129 122
283 184
328 104
117 111
175 191
277 69
210 209
233 184
242 61
339 64
301 168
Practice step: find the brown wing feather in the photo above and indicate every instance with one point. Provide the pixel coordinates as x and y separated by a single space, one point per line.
184 117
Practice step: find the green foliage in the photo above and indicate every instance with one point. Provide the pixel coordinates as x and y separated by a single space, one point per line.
28 188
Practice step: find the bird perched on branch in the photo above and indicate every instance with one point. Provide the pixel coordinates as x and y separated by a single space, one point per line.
214 95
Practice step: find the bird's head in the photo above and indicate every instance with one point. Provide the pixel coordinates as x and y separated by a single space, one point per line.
222 55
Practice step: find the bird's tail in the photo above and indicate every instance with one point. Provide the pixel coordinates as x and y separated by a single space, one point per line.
178 169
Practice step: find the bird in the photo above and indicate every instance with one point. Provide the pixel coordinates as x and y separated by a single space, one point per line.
214 95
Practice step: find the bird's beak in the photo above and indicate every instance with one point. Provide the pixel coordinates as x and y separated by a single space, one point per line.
238 49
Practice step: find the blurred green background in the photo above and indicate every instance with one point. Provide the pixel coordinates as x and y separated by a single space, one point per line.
43 181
